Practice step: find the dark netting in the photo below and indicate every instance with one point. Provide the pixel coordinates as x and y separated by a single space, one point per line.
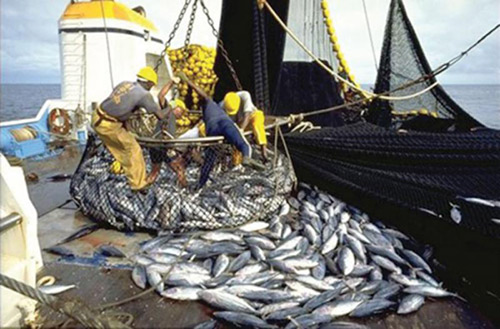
425 173
239 21
198 187
403 61
303 86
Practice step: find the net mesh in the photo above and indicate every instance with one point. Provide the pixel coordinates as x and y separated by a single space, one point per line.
304 86
402 62
198 187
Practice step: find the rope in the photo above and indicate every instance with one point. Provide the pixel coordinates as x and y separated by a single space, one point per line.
73 309
457 58
370 34
288 156
107 44
368 94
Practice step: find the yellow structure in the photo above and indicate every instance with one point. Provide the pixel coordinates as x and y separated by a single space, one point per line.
111 9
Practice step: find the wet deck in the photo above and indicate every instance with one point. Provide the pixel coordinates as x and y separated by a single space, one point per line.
104 281
99 286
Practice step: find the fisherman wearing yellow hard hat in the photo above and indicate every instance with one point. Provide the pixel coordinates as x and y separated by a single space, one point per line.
218 123
240 108
108 122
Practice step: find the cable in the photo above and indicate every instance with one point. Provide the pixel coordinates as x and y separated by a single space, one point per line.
107 45
370 34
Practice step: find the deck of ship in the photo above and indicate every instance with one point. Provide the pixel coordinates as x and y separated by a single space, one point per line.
100 281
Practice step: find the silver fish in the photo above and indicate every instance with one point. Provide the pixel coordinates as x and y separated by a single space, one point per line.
338 308
330 244
55 289
388 292
372 306
343 325
222 236
356 247
346 261
258 253
155 280
226 301
430 291
308 321
358 235
416 260
285 314
285 209
455 213
260 241
139 276
181 293
410 303
187 279
253 226
427 278
271 308
243 319
319 271
385 263
404 280
324 297
251 269
389 253
239 261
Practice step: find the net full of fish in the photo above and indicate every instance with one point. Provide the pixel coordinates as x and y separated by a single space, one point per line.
231 197
315 260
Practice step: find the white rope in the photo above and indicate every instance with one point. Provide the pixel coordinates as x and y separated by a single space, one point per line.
107 45
367 94
370 34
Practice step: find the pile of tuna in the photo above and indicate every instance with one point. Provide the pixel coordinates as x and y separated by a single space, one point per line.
315 261
231 197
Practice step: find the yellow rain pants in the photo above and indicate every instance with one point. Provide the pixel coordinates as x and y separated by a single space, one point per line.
257 121
123 147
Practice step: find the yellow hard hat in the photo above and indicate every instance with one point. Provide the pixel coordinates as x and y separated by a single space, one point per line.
178 103
232 103
147 73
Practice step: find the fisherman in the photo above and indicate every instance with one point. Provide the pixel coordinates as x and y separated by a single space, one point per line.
176 110
240 108
218 123
109 118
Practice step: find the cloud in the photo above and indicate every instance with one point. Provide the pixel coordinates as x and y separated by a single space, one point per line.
30 47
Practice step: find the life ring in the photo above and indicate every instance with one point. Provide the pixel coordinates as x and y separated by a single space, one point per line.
59 121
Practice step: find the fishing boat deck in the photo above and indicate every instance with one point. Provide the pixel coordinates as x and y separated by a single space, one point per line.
100 280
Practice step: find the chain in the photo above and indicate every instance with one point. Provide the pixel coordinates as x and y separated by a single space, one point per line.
172 34
189 32
223 50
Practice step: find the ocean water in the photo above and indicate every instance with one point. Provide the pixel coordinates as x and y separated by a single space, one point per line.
20 101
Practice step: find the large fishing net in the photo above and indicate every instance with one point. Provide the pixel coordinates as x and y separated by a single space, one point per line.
402 62
198 187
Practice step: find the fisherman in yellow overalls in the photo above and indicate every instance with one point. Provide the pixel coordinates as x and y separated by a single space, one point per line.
109 118
240 108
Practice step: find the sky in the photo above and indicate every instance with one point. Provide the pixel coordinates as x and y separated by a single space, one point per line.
29 44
